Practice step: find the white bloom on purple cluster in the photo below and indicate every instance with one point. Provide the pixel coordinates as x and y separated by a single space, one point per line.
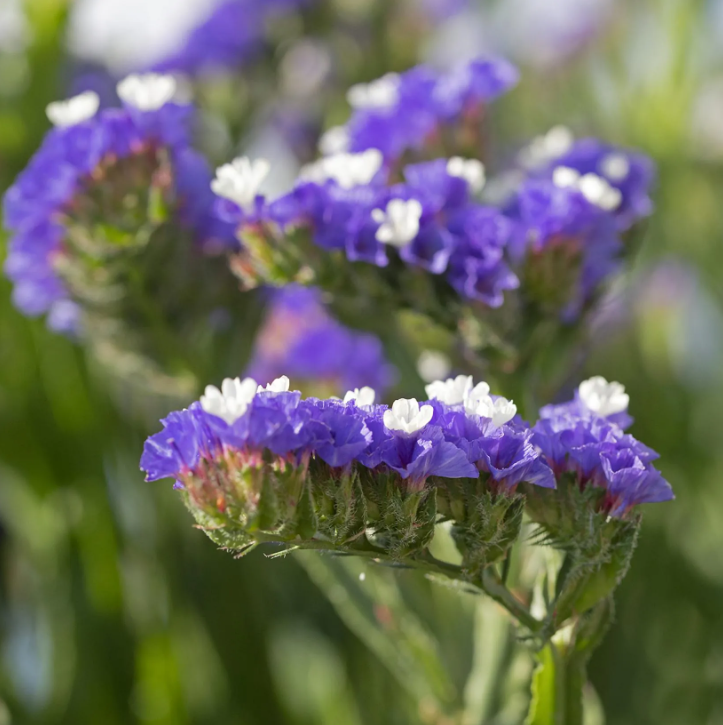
399 223
280 385
615 166
363 397
232 401
334 141
241 180
475 396
147 91
543 149
478 401
407 416
381 93
452 391
593 187
471 170
602 397
347 170
74 110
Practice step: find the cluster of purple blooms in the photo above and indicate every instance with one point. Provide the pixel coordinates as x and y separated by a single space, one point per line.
460 432
232 35
578 195
73 159
297 328
401 112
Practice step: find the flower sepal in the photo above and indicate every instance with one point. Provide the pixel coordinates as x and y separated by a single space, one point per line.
486 522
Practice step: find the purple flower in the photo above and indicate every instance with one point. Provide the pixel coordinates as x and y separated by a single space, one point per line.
631 174
600 454
74 159
299 337
401 112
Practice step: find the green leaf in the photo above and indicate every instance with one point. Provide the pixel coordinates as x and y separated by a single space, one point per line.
545 686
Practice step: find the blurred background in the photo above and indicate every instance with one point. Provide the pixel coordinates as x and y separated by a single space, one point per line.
113 609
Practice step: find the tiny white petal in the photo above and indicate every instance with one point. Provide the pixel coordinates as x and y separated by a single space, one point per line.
602 397
381 93
241 180
232 401
565 177
73 111
475 396
499 411
280 385
407 416
347 170
334 141
558 141
471 170
148 91
362 396
452 391
399 222
615 166
597 191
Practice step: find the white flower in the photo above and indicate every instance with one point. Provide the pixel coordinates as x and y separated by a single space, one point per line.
405 415
240 180
147 92
280 385
499 411
232 401
381 93
334 141
602 397
471 170
565 178
75 110
348 170
363 397
598 192
399 224
451 391
544 149
615 166
475 396
593 187
433 365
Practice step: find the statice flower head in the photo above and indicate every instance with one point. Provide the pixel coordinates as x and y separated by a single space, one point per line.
98 187
583 439
401 112
300 337
566 242
622 178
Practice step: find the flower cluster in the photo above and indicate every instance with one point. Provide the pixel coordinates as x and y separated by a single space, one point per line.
301 338
431 220
586 438
244 447
556 232
100 181
404 111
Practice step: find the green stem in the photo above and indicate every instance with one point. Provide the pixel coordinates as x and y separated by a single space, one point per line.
487 581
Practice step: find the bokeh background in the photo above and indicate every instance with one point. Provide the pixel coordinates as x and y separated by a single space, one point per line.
113 609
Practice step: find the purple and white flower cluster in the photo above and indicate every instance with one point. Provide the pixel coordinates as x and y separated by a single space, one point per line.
301 338
461 432
571 201
73 162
